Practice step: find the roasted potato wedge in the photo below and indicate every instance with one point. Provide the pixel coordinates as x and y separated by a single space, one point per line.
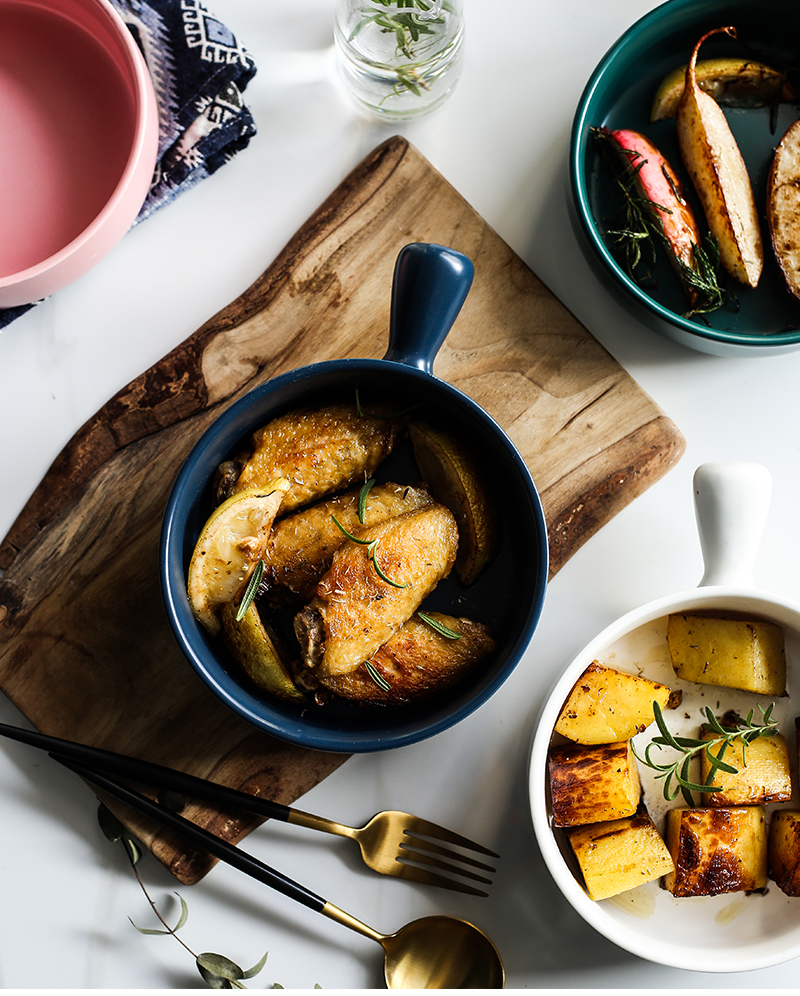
719 175
716 850
783 851
733 653
783 207
254 649
607 706
590 784
763 773
416 662
618 855
731 81
456 481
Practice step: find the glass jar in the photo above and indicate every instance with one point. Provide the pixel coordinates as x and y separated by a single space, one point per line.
399 59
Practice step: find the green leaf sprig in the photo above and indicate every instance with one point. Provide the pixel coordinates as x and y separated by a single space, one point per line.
372 546
744 730
215 969
440 627
377 677
251 590
363 492
402 20
641 231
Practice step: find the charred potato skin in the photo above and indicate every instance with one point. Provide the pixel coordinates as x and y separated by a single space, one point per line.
608 706
764 778
591 784
716 850
784 851
617 855
733 653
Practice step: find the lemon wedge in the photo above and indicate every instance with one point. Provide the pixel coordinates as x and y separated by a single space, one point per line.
230 544
254 650
731 82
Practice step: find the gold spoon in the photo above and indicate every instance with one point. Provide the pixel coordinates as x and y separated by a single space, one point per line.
435 952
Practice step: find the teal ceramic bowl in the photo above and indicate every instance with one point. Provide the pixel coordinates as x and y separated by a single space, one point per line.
619 95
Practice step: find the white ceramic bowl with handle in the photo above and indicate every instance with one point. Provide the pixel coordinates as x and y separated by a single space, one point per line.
727 933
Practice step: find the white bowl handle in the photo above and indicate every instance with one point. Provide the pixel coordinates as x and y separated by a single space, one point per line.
731 502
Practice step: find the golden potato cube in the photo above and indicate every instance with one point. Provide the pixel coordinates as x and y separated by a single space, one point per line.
618 855
607 706
592 783
734 653
783 851
716 850
766 777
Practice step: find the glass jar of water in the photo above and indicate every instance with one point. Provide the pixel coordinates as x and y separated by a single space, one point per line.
399 58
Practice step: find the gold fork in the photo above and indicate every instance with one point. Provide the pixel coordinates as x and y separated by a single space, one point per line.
405 846
392 843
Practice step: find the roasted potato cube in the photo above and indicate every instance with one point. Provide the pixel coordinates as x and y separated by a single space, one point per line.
716 850
735 653
764 778
618 855
589 784
783 851
607 706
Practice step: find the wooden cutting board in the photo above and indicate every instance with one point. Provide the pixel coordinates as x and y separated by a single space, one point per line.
86 650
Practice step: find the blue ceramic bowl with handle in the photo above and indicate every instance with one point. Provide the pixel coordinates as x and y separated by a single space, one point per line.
430 285
619 94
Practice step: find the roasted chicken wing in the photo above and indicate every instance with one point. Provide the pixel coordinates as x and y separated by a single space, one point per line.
319 450
417 661
374 586
302 545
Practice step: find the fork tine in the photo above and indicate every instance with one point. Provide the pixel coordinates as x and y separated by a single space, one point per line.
422 858
421 843
414 874
424 828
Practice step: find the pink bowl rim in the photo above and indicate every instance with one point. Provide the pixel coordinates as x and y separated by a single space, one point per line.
146 107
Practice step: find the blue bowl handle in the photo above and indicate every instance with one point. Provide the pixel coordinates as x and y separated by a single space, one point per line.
430 286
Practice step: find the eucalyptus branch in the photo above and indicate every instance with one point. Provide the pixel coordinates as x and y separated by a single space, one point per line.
743 730
217 970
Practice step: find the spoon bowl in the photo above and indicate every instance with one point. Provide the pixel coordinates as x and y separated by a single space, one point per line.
441 952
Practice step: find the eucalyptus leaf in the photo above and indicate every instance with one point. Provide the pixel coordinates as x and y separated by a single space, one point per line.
109 824
219 965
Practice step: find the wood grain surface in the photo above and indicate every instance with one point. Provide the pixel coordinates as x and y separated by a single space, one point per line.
86 650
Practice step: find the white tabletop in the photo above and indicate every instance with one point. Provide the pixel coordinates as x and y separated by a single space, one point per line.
502 142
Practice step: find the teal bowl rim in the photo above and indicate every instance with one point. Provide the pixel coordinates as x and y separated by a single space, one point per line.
577 156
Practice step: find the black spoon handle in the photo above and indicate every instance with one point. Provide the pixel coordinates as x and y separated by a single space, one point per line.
148 773
197 835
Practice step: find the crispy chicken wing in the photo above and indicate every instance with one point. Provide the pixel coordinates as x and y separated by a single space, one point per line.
371 590
302 545
320 450
417 661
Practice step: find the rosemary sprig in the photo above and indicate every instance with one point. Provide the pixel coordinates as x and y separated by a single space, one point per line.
642 230
251 590
408 20
440 628
362 499
743 730
377 677
371 546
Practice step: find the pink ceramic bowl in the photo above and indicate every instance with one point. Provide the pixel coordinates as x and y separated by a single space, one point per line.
79 145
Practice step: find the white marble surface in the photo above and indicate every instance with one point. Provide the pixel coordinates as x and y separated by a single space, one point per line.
502 142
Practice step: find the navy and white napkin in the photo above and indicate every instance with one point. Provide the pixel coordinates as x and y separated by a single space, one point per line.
199 71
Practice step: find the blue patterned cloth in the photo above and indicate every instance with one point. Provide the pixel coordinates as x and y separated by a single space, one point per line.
199 71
